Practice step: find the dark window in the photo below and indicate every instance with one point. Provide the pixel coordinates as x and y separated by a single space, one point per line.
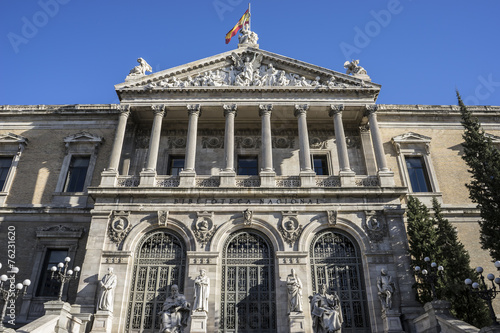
46 285
419 178
320 165
175 165
5 164
77 172
248 165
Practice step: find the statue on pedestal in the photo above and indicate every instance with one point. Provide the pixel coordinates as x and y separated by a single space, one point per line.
246 36
294 286
201 292
175 312
326 312
386 289
106 294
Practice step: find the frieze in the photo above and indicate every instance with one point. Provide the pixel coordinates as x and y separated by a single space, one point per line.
176 142
283 142
247 142
212 142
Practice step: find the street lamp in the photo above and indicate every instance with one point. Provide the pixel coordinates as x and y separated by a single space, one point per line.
11 290
62 274
430 274
482 290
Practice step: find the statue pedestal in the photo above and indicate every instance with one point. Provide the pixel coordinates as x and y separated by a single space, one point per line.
297 322
103 321
392 321
198 322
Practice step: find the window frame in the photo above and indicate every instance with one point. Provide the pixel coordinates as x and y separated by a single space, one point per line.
170 167
415 145
256 158
328 164
11 145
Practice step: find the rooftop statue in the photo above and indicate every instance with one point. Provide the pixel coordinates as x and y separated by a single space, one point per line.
140 70
353 68
247 37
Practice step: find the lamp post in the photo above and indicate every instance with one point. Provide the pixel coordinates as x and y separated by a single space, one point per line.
63 274
430 274
482 290
11 290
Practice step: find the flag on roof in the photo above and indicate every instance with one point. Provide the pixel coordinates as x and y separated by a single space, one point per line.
245 19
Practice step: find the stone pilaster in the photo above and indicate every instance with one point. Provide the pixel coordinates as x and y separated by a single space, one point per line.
307 175
188 175
267 174
386 177
345 172
228 175
148 175
108 176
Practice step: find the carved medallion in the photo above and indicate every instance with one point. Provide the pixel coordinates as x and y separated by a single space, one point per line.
247 217
204 228
119 226
290 228
163 217
375 226
332 217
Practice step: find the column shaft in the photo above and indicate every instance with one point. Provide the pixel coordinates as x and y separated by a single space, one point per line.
230 114
336 112
267 151
194 113
376 138
154 142
305 153
116 151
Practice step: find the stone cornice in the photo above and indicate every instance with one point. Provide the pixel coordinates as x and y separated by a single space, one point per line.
59 109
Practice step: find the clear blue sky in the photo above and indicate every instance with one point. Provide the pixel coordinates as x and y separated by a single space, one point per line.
75 51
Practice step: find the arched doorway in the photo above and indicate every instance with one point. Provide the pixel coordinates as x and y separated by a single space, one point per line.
336 262
160 262
248 298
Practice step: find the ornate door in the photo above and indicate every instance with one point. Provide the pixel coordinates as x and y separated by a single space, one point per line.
160 262
248 302
336 262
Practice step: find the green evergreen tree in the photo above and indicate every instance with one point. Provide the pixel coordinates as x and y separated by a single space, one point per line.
452 255
422 238
483 160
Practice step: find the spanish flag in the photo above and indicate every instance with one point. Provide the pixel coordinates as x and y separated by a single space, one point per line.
245 19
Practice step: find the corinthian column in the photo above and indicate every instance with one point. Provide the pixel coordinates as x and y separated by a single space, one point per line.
148 175
267 174
108 176
188 174
228 175
347 176
307 175
386 177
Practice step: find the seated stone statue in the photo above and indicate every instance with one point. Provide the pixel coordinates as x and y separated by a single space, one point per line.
326 312
175 312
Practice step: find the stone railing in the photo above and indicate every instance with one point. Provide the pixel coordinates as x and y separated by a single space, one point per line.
167 181
365 181
207 181
287 181
327 181
247 181
128 181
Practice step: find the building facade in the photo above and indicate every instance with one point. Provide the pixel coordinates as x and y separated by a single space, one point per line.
247 165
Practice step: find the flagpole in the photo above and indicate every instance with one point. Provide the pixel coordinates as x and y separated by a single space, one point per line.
250 18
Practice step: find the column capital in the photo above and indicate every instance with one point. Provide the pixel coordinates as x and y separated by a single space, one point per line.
265 109
371 108
159 109
230 108
301 109
194 109
335 108
124 109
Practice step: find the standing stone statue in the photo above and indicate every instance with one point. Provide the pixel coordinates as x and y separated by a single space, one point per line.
294 286
175 312
201 291
386 289
106 295
326 312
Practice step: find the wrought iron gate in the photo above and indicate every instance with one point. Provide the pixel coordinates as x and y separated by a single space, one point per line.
336 262
248 302
160 262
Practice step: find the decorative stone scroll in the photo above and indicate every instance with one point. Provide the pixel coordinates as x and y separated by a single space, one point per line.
332 217
119 226
212 142
204 227
290 228
375 225
247 142
163 217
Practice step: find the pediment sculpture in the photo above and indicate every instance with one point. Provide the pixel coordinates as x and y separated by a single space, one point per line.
248 70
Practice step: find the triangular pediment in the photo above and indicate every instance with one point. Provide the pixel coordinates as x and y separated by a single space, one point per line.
247 68
12 138
83 136
411 137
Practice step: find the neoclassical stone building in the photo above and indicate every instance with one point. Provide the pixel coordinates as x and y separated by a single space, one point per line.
247 164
